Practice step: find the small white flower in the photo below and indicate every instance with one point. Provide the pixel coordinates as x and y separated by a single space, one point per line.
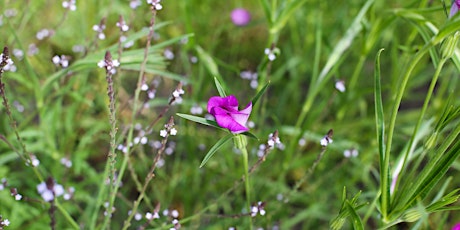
137 216
18 196
168 54
166 212
325 141
302 142
175 213
144 140
193 59
71 5
134 4
5 222
350 153
115 63
144 87
155 3
123 26
101 64
270 53
196 109
19 54
163 132
173 132
66 162
148 216
340 86
178 92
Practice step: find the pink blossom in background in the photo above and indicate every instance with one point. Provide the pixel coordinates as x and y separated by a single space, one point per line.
456 227
225 110
240 17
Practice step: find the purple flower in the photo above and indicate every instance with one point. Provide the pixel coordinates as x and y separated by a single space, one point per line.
225 110
454 8
240 17
456 227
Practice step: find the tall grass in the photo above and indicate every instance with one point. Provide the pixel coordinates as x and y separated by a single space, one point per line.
363 96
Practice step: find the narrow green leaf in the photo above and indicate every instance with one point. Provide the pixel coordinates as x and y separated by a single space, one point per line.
260 93
355 218
380 128
266 8
208 61
199 120
216 147
219 87
286 15
345 41
251 135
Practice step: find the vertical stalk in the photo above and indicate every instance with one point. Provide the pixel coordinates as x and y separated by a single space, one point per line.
241 143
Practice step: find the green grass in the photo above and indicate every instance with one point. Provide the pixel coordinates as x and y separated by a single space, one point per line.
401 111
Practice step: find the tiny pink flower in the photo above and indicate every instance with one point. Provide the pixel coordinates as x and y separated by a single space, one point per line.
240 17
456 227
225 111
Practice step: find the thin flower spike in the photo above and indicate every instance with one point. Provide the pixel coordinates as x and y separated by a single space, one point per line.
225 110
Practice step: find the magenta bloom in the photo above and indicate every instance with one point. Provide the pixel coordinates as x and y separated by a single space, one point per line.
456 227
240 17
454 8
225 110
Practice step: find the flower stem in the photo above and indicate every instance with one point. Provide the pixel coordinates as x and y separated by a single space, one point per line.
241 143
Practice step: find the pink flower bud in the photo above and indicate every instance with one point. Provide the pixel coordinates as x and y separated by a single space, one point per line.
240 17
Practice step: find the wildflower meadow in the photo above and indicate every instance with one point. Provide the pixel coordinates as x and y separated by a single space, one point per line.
202 114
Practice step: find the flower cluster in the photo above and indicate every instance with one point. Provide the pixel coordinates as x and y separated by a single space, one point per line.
100 29
327 139
252 77
34 161
176 95
271 53
273 141
70 4
50 189
44 33
258 208
225 111
66 162
6 64
350 153
14 193
62 61
108 63
122 25
169 129
155 4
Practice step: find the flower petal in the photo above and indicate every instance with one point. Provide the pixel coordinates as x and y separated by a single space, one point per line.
229 102
225 110
242 116
453 9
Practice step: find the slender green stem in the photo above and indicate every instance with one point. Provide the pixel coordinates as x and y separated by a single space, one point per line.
241 143
246 183
425 106
67 215
385 201
133 120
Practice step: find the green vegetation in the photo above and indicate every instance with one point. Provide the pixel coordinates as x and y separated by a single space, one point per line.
363 95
